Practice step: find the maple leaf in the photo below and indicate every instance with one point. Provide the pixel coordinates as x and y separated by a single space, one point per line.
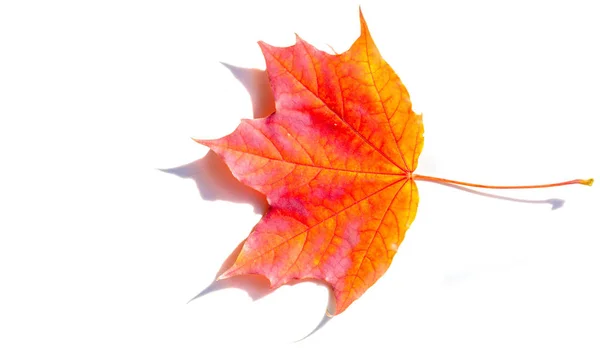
336 163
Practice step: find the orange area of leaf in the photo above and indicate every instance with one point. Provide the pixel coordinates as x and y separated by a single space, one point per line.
336 163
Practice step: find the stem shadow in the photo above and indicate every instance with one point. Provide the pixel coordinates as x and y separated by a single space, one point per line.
554 202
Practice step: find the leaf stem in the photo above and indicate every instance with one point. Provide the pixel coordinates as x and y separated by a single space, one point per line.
587 182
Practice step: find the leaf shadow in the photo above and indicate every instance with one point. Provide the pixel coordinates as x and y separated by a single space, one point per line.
257 84
215 182
212 176
255 286
326 317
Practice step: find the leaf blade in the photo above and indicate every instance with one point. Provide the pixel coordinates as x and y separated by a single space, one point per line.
335 161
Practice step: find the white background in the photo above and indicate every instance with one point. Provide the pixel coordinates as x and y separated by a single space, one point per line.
112 219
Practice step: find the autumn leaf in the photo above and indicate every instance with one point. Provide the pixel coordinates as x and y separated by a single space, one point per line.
336 163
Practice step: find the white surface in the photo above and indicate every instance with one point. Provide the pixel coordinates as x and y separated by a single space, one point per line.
99 249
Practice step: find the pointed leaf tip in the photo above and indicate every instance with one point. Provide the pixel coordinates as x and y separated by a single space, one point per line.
363 23
228 273
200 141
